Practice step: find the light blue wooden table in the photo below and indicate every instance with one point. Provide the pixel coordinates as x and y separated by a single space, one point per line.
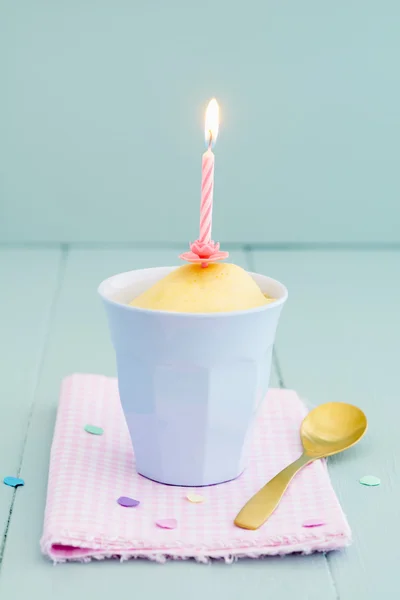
338 340
101 119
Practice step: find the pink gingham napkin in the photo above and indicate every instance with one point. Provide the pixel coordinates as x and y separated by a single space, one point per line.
88 473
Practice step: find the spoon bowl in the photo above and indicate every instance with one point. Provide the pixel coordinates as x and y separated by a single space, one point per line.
326 430
331 428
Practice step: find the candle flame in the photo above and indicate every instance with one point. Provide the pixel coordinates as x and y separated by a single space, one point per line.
212 122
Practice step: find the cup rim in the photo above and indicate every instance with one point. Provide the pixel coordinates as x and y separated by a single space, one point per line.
197 315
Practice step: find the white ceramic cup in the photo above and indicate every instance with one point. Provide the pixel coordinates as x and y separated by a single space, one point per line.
190 384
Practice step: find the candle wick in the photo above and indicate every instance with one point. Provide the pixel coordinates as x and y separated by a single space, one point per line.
210 140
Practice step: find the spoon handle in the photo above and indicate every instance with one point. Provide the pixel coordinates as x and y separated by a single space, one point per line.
261 506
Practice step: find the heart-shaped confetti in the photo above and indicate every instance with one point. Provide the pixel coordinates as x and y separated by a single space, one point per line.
370 480
128 502
13 481
195 498
167 523
94 430
313 523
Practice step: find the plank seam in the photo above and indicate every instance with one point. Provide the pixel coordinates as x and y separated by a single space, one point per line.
335 588
278 368
179 246
57 289
248 257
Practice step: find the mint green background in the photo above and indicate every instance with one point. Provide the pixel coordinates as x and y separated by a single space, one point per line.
101 119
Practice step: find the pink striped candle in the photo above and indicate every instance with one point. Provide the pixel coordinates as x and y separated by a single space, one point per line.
207 193
204 251
207 172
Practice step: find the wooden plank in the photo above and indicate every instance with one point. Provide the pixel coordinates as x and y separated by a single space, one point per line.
304 132
338 340
79 342
28 285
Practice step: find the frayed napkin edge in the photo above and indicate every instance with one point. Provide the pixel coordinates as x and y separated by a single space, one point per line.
272 547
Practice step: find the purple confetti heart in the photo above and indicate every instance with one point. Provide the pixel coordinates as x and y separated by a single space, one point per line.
167 523
128 502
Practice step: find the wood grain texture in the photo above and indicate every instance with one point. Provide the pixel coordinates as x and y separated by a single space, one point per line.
79 342
338 341
28 286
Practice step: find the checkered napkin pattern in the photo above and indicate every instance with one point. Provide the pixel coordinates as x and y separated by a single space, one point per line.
88 473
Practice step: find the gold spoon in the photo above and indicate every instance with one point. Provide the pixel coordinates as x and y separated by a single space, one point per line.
328 429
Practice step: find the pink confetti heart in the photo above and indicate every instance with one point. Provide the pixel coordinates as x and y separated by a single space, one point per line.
313 523
167 523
